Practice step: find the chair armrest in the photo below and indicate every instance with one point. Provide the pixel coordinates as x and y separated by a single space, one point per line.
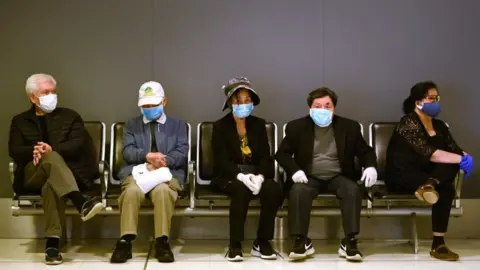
192 182
104 170
12 166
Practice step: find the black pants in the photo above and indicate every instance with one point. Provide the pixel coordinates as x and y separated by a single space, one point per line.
300 203
445 174
240 196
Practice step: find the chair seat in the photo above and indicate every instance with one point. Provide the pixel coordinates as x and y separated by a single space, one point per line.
205 192
321 196
381 192
32 197
394 196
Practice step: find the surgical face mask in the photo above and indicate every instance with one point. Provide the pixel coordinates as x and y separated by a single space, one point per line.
152 113
321 117
48 103
431 109
242 110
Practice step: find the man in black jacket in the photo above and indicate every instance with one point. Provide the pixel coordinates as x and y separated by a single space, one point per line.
318 154
55 156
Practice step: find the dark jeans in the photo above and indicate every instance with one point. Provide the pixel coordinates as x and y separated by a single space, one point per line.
445 174
300 203
240 196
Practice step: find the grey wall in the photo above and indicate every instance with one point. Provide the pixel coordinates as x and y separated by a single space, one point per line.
371 52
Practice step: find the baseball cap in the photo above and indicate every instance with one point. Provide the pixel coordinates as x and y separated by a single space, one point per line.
150 93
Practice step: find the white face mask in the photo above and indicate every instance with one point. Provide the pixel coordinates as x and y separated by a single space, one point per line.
48 103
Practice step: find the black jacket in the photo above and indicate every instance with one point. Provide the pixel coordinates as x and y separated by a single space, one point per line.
226 149
67 136
296 150
410 148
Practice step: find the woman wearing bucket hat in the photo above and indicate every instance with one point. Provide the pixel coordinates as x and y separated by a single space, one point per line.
244 168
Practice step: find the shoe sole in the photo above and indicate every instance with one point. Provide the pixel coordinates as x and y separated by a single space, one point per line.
430 197
444 259
343 254
297 257
53 262
255 253
128 258
97 208
236 259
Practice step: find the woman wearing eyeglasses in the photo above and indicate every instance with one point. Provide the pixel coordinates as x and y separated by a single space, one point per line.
424 159
244 168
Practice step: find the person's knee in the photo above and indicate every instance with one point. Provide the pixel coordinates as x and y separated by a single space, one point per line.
273 192
52 157
351 190
299 190
162 191
240 191
132 192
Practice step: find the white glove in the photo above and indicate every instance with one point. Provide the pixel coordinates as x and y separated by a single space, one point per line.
369 176
257 180
300 177
245 179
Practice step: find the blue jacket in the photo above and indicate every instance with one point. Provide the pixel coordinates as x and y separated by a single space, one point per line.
172 141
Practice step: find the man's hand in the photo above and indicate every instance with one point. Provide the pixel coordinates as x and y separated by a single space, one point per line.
39 150
150 167
44 147
158 160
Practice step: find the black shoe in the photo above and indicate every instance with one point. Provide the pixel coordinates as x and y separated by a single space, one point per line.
90 208
348 249
264 250
302 248
235 252
122 251
53 256
163 252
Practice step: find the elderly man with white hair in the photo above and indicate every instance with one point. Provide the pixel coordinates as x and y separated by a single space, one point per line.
155 149
55 157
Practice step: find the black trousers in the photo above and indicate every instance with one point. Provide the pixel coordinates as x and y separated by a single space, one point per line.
300 203
240 196
445 174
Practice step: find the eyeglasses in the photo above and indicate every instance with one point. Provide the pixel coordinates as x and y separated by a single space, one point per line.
433 98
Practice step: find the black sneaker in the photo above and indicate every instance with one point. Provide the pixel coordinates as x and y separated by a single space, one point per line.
122 251
163 252
53 256
235 253
348 249
263 249
90 208
302 248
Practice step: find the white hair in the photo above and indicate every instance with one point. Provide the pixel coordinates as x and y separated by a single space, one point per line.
32 82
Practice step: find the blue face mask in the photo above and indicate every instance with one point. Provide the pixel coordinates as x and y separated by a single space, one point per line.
431 109
321 117
242 110
152 113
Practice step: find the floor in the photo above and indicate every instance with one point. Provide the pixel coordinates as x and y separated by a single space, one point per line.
24 254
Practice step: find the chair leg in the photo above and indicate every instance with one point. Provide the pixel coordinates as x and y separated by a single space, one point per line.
414 242
279 230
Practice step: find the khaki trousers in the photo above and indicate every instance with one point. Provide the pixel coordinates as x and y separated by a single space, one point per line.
163 197
55 180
